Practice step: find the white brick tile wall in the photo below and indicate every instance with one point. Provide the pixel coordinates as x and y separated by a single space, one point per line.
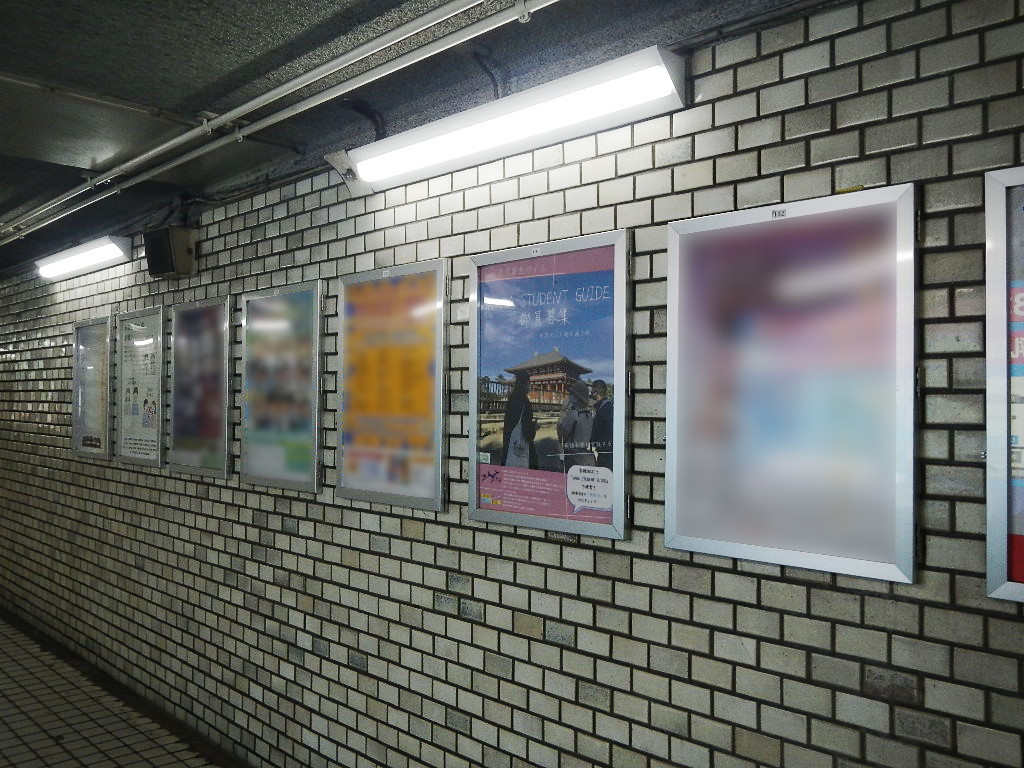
313 631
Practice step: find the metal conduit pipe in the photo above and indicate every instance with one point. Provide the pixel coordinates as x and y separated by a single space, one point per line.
410 28
432 48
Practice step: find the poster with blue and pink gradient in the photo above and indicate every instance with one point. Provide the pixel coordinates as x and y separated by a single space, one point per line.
1015 333
545 393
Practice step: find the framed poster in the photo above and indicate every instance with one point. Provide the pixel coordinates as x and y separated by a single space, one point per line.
790 387
200 395
140 386
548 399
281 387
1004 340
392 372
90 389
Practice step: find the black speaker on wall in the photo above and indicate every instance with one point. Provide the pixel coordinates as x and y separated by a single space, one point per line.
171 251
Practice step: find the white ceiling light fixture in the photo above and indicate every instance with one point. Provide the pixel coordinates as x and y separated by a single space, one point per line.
87 257
641 85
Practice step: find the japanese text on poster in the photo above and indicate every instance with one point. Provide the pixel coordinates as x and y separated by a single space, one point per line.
139 344
545 386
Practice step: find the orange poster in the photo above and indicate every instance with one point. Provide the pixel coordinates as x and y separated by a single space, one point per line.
389 385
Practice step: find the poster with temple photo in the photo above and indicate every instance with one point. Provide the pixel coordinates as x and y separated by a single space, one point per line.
280 387
140 387
790 384
1004 276
548 386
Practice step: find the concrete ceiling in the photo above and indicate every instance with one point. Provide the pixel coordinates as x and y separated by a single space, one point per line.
87 84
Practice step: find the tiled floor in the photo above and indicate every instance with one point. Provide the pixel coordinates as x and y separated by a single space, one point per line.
53 716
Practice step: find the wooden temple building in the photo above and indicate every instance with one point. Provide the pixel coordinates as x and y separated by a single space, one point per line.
551 374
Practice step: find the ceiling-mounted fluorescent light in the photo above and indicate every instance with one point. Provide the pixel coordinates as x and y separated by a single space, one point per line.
87 257
643 84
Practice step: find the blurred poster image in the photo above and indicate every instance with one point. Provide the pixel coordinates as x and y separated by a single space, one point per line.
1015 368
788 384
91 389
279 400
140 386
389 385
545 386
198 407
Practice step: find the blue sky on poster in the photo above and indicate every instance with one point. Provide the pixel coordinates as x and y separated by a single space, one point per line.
573 312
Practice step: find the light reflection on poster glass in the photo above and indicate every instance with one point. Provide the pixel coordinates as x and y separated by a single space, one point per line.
199 388
391 387
90 425
140 346
785 379
1004 273
280 402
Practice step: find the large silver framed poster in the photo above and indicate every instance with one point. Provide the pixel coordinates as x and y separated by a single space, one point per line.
281 387
90 389
1004 276
140 386
392 385
790 384
547 396
200 393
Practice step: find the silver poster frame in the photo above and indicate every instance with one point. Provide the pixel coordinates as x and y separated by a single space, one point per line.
997 187
440 268
158 311
312 485
76 404
901 201
620 241
172 462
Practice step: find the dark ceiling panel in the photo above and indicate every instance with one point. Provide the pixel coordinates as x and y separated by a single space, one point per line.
226 163
69 130
186 56
26 183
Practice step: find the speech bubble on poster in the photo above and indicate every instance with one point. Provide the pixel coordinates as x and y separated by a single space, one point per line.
589 487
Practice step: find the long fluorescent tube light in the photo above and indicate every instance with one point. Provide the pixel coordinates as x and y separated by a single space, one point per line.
87 257
641 85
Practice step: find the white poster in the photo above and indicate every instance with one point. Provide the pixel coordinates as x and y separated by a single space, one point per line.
140 386
91 389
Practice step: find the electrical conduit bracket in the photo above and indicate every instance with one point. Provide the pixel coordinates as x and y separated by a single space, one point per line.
343 164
